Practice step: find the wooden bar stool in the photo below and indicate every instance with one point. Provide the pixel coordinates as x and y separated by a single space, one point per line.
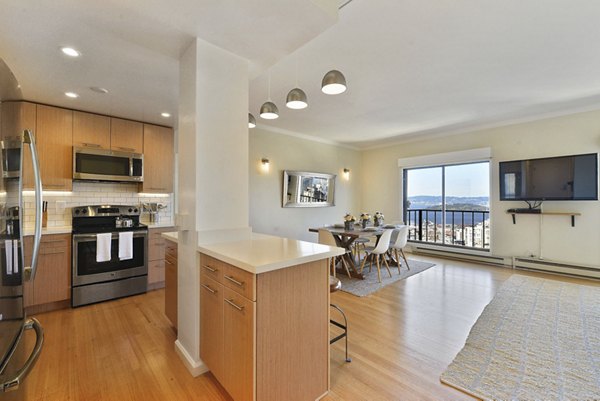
334 285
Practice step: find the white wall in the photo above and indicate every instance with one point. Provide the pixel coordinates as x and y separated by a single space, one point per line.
285 152
578 133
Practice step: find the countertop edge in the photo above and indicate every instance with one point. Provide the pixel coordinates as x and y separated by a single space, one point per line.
170 236
271 266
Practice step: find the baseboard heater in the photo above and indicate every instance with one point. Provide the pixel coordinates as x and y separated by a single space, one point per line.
487 259
587 271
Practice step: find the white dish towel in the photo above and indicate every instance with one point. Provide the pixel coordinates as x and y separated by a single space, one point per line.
103 243
126 245
8 248
15 256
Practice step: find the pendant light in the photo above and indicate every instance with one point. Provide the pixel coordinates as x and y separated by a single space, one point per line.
268 110
333 83
251 121
296 98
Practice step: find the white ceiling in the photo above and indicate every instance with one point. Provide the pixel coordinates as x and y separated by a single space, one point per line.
413 67
132 47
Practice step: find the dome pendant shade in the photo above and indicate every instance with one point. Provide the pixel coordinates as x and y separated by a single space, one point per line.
269 111
296 99
333 83
251 121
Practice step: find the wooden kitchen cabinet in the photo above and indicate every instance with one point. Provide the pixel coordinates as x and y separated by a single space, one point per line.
171 281
126 135
55 148
91 130
267 337
52 281
238 345
156 257
158 159
17 117
211 326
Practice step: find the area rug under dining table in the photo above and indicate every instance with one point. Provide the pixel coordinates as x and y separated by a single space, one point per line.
537 339
371 284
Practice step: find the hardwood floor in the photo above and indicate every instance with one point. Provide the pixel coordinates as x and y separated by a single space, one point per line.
401 340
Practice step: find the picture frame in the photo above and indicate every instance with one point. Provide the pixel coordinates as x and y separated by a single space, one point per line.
307 189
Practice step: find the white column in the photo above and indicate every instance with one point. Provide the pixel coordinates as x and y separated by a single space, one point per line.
213 173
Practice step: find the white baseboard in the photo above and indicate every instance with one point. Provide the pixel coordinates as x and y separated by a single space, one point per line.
196 368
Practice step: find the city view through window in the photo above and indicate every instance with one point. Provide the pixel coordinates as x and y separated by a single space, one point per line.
449 205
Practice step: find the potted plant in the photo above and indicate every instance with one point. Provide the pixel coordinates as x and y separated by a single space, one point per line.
378 219
349 222
365 218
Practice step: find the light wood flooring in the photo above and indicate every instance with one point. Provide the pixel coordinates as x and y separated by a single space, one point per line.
401 340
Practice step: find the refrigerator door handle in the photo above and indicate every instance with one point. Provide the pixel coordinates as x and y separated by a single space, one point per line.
14 382
29 139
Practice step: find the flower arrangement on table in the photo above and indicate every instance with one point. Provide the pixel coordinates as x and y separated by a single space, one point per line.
378 219
349 221
365 218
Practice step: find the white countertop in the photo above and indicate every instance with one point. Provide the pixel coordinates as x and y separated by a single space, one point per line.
170 236
159 224
48 230
266 253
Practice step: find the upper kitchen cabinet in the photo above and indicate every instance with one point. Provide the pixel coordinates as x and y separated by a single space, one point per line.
55 148
16 117
126 135
158 159
91 130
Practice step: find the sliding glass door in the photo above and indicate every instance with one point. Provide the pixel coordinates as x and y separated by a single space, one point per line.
449 204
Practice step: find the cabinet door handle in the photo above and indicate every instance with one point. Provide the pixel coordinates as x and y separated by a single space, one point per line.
210 269
91 145
209 289
230 302
127 149
234 281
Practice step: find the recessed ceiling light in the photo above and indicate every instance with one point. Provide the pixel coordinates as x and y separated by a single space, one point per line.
71 94
165 115
98 89
69 51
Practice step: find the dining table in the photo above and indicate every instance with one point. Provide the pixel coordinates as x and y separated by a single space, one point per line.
345 239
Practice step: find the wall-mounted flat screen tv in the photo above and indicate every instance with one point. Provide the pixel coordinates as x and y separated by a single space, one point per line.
551 178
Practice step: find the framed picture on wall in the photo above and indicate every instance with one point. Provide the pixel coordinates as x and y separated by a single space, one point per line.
304 189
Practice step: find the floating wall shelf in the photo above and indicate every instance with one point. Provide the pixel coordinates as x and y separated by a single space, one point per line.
572 214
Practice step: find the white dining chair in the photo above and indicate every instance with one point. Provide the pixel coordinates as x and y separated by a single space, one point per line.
326 238
397 246
378 252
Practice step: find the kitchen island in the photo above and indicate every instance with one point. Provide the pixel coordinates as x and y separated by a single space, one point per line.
264 317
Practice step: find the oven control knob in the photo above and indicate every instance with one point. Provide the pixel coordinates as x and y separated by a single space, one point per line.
76 211
135 210
84 211
130 210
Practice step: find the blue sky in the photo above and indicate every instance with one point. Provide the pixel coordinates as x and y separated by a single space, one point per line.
461 180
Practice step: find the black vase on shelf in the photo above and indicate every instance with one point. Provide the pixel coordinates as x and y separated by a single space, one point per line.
348 225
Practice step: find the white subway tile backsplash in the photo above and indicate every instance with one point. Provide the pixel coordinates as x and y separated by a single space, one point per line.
93 194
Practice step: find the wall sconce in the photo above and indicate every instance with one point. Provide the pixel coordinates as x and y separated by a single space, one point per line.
264 162
346 174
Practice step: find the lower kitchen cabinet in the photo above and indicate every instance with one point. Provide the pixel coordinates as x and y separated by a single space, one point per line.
52 282
156 257
171 281
266 336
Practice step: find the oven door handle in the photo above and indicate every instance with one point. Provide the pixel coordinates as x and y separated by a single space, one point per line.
29 139
136 234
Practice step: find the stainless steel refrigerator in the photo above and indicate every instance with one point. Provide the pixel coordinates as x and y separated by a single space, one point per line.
17 356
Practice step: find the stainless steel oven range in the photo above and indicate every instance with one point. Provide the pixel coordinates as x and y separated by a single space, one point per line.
99 271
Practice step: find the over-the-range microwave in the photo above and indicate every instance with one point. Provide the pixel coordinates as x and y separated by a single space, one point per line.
107 165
